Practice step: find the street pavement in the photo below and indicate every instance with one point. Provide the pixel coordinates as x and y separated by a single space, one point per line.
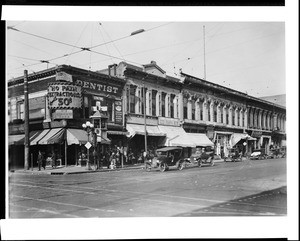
76 169
248 188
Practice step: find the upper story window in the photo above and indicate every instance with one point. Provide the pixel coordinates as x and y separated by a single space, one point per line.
132 100
163 104
193 109
172 106
185 109
154 92
20 110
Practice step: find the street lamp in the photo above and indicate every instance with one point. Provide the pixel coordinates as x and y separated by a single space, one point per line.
89 128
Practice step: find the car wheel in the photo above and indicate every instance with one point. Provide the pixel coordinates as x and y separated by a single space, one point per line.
199 163
162 167
181 165
148 167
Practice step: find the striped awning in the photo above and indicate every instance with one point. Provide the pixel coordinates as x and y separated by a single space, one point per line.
44 136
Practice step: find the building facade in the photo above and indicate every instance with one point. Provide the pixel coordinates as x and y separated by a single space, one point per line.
193 105
136 100
61 99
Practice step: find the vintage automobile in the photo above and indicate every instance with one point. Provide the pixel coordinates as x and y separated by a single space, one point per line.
258 154
233 156
167 157
205 156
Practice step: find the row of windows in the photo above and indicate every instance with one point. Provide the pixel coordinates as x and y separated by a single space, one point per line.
157 103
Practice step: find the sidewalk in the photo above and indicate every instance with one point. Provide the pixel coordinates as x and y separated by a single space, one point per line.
72 169
62 170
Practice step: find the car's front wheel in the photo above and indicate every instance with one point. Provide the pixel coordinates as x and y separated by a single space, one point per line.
162 167
181 165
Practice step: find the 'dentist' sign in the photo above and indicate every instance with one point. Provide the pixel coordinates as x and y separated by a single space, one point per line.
63 95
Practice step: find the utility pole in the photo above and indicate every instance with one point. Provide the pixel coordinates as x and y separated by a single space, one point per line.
204 51
26 122
145 123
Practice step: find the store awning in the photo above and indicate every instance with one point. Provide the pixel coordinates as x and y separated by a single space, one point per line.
135 129
236 137
19 139
79 137
59 137
14 139
45 135
76 136
200 139
175 136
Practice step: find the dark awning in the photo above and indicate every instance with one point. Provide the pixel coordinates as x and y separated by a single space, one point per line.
57 138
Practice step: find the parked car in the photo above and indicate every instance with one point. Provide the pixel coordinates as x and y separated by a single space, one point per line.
234 155
167 157
258 154
203 157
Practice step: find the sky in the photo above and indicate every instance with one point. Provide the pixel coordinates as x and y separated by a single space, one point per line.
245 56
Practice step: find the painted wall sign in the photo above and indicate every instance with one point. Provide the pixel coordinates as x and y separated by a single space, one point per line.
99 87
63 95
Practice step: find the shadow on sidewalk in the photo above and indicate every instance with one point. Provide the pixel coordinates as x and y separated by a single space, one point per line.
267 203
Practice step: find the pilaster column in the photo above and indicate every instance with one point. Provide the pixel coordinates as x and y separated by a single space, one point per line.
148 103
255 118
219 119
138 100
224 114
274 121
180 106
167 105
251 118
246 118
241 124
236 117
158 104
175 102
259 119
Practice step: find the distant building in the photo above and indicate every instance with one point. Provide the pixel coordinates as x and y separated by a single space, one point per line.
276 99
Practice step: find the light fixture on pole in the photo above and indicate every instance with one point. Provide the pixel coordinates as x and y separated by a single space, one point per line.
89 128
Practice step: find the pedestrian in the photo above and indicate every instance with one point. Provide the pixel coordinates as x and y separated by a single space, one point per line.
40 160
43 161
112 161
53 157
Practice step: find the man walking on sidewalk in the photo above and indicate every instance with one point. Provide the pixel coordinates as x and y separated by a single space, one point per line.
40 160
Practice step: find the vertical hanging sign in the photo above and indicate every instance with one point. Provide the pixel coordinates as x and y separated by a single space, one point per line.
118 112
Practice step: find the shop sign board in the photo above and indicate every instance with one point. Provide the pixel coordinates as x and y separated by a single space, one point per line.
63 114
99 87
64 95
139 119
168 121
256 134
